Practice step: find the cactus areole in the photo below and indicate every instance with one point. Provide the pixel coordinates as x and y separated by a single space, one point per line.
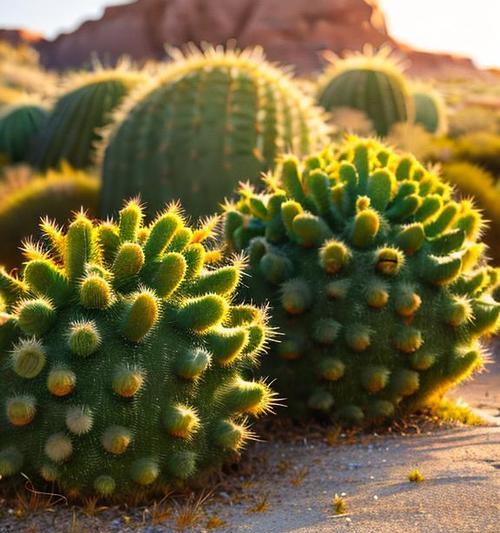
376 278
121 355
211 119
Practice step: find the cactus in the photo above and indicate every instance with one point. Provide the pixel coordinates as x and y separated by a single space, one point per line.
26 197
371 82
480 148
19 124
376 277
73 128
430 109
122 368
472 181
210 119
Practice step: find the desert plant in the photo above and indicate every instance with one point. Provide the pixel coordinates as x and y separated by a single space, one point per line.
210 119
20 69
430 109
471 119
481 148
473 182
375 277
84 108
371 82
121 356
19 124
413 138
26 197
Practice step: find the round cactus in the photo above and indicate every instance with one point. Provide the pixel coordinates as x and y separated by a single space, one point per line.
376 279
121 357
371 82
25 198
85 107
209 120
19 124
430 109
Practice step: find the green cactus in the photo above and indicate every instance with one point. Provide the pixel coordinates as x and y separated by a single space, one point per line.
19 124
376 278
371 82
121 358
472 181
430 109
73 128
210 119
25 198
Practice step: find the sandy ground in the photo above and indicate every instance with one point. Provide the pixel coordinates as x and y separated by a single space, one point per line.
285 487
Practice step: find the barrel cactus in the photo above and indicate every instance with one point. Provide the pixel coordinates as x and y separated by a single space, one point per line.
73 128
27 197
210 119
371 82
19 124
430 109
376 279
121 357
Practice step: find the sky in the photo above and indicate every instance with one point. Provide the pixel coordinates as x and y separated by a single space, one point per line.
468 27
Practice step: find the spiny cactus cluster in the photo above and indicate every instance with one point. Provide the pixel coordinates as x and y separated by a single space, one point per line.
19 124
376 278
371 82
430 109
85 107
121 355
26 197
209 120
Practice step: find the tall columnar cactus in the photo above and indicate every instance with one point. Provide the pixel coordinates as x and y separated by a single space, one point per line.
74 125
25 198
376 278
210 119
430 109
121 355
370 82
19 124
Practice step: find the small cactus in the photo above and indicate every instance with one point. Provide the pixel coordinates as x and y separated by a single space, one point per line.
121 354
74 125
210 119
19 124
430 109
26 197
376 278
371 82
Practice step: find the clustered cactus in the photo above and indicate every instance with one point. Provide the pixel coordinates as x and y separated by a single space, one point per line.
377 281
121 354
74 125
209 120
371 82
27 197
19 124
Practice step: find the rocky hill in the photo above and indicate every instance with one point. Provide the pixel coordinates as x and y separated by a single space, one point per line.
291 31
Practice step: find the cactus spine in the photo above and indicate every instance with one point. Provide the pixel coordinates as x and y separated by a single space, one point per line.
74 125
211 119
376 278
19 124
121 355
25 198
371 82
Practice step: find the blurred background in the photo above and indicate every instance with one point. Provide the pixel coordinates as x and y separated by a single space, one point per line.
443 56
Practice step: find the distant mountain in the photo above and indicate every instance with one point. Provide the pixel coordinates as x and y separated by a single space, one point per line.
291 31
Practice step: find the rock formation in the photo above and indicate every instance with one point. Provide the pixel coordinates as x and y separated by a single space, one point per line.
291 31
